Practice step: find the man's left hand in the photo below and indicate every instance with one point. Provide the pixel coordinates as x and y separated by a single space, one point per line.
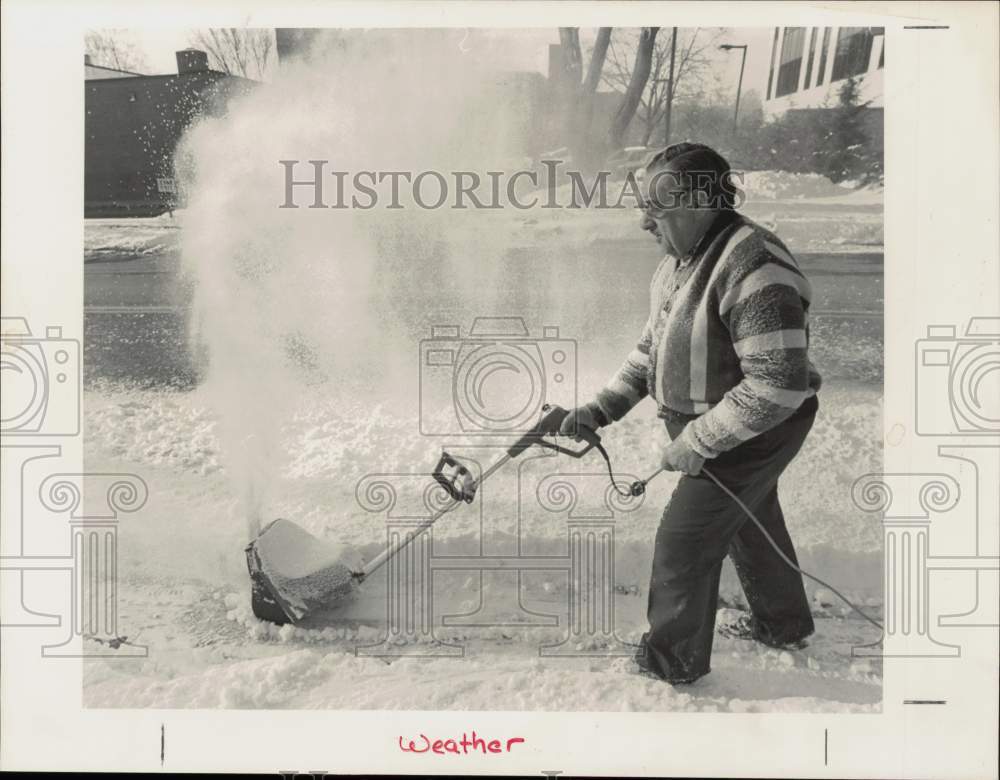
678 456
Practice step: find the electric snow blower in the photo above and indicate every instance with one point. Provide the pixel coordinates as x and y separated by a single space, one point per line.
294 574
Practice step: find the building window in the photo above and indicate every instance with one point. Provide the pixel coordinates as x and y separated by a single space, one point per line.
791 61
823 49
854 49
774 52
809 62
880 31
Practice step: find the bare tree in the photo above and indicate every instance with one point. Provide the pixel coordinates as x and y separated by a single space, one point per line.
572 59
692 69
239 51
597 58
635 86
113 49
575 97
594 73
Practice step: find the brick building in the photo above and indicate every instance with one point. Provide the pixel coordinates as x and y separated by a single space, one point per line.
92 71
133 124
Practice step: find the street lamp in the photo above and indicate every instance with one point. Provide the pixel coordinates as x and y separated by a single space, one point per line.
739 85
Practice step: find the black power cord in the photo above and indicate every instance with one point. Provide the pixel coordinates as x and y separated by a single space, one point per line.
638 488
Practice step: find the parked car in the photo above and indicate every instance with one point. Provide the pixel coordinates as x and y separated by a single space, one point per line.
561 154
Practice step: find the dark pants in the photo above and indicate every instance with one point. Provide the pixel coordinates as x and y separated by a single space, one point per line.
700 526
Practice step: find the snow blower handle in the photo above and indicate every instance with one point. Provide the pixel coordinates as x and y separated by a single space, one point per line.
461 485
455 478
552 419
459 482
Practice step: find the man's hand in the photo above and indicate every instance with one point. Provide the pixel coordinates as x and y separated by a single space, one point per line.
678 456
572 422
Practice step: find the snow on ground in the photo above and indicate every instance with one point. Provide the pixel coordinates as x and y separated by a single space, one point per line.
247 664
183 586
330 446
808 211
124 238
184 593
782 185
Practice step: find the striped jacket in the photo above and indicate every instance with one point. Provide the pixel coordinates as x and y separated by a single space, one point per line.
725 345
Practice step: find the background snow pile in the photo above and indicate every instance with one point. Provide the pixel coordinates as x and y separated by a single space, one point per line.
111 239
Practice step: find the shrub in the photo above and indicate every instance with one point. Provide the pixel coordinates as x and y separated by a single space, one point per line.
844 143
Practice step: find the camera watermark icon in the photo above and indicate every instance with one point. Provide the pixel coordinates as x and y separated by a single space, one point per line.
979 464
40 379
960 374
495 380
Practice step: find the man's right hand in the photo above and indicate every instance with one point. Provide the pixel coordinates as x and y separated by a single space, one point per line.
580 416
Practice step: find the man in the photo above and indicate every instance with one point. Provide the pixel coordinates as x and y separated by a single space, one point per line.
724 355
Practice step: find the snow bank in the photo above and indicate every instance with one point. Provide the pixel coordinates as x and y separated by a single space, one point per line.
155 429
139 236
782 185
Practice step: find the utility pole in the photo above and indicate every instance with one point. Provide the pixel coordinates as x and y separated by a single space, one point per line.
739 84
670 88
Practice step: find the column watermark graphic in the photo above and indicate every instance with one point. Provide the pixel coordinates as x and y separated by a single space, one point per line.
93 558
906 502
585 614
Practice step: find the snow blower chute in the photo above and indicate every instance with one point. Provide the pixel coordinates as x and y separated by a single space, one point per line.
294 574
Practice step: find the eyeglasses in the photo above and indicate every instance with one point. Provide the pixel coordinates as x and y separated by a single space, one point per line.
656 209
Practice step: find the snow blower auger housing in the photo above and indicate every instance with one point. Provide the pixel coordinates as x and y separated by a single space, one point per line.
293 573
